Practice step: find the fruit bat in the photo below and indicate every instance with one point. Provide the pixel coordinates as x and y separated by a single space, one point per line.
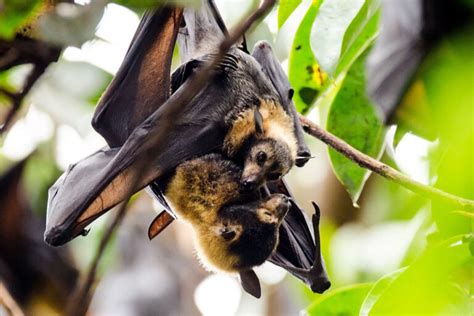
137 118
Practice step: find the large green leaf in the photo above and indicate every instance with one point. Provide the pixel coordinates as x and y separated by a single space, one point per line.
360 34
353 118
327 33
426 287
377 290
342 302
285 9
13 14
305 74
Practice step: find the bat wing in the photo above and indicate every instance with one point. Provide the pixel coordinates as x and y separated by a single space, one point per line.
396 54
142 84
168 137
272 69
298 251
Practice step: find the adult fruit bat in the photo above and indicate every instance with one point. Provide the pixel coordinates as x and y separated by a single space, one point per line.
235 228
168 136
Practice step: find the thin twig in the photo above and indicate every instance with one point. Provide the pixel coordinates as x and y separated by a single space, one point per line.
79 302
385 171
17 98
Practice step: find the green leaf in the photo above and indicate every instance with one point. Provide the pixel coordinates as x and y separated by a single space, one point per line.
13 14
305 76
285 9
327 32
353 118
377 290
360 34
345 301
426 287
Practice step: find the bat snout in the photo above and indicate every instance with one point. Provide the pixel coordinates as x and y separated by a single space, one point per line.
282 205
250 182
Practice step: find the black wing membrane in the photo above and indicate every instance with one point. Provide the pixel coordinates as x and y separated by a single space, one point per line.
298 251
142 83
167 137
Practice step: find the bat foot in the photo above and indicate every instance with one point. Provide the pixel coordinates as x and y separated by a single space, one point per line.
321 285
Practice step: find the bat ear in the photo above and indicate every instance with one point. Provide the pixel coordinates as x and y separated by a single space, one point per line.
258 121
250 283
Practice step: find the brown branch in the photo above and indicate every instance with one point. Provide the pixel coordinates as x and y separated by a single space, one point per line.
385 171
17 98
22 50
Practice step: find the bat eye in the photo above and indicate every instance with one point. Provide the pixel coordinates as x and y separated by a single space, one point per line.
261 158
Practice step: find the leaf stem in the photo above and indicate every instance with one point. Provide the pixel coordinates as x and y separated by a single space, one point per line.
382 169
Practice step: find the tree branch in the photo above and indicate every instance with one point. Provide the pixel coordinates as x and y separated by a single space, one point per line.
385 171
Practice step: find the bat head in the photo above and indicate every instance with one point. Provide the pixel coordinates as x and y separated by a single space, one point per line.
244 236
266 159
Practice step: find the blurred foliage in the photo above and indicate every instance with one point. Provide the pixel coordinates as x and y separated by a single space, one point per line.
344 301
13 14
429 271
285 8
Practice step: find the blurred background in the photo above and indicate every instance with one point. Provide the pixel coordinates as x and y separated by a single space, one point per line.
386 248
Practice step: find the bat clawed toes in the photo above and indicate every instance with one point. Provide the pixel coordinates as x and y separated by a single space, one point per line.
303 156
321 285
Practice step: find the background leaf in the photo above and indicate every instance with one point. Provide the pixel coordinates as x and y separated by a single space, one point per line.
345 301
425 286
60 26
353 118
305 74
13 14
328 31
285 9
377 290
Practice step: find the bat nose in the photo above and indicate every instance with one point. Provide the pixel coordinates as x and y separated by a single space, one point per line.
249 182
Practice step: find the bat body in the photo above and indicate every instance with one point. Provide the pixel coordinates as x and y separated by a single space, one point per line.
235 229
138 119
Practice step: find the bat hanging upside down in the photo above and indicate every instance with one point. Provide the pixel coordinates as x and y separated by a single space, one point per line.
244 113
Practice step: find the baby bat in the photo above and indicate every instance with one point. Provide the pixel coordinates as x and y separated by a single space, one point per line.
235 229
